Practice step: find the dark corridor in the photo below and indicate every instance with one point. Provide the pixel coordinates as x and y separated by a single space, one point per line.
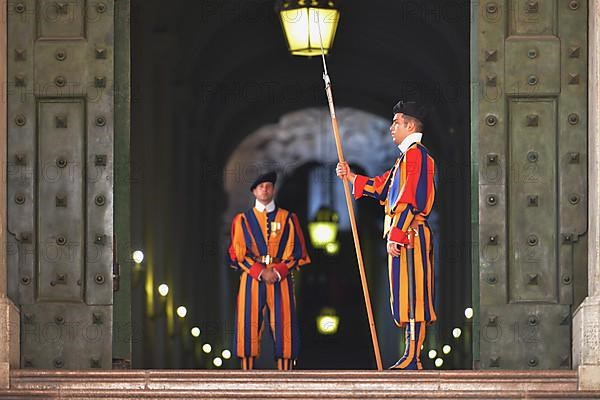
205 75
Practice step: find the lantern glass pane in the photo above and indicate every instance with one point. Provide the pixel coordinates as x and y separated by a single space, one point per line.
328 20
295 26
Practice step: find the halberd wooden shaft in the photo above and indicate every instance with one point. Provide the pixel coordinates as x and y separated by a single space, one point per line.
340 152
359 257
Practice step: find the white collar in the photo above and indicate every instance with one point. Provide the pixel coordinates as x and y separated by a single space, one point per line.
410 140
261 207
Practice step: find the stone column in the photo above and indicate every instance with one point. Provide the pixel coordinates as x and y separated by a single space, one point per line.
9 316
586 320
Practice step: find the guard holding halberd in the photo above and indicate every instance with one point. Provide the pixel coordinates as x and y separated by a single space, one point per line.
407 192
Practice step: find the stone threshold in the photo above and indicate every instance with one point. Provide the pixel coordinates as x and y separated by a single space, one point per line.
180 384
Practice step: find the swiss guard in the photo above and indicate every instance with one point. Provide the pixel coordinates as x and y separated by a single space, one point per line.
267 245
407 192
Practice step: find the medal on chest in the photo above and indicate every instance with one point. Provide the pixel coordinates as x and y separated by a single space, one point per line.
275 228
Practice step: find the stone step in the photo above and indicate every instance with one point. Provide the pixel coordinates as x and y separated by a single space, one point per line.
183 384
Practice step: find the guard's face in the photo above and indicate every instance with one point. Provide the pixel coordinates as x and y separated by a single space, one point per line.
264 192
400 128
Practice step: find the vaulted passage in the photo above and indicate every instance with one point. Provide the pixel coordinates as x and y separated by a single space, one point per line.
210 76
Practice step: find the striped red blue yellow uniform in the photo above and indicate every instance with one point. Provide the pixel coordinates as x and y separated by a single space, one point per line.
407 191
255 234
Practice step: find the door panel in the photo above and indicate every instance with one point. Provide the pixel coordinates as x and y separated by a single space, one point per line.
61 233
532 212
531 133
60 180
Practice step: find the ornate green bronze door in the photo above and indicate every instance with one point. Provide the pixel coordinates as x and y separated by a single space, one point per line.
530 122
60 179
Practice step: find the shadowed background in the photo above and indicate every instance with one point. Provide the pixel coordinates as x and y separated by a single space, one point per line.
207 75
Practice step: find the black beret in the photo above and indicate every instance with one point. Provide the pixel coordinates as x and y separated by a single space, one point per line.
411 108
268 177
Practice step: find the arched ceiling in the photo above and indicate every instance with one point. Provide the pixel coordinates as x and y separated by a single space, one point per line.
233 60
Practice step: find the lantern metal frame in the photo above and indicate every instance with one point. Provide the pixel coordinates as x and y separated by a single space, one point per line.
296 17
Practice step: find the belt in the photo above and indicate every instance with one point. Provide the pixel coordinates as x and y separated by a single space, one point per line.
268 260
414 225
419 219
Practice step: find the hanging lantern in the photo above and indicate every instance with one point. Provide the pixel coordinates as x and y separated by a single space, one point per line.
328 321
300 21
323 230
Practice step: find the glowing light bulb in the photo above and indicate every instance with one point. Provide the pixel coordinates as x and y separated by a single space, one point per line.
328 324
432 354
439 362
207 348
163 289
447 349
469 313
195 331
217 362
226 354
138 256
456 332
181 311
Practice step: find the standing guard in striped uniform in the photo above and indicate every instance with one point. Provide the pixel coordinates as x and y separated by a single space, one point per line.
266 246
407 192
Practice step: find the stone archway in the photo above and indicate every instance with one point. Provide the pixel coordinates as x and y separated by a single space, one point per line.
301 137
